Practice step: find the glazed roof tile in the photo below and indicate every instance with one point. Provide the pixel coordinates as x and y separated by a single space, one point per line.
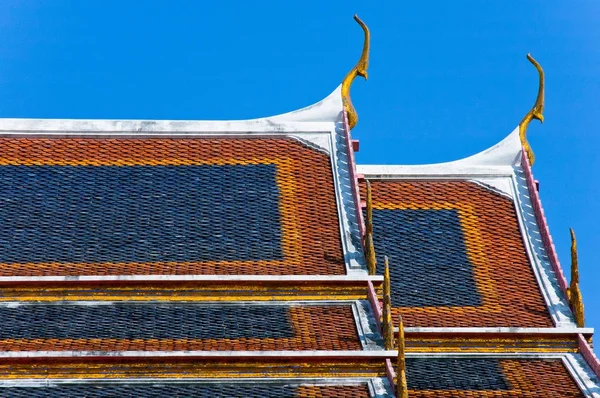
84 206
199 390
134 326
457 257
483 377
128 198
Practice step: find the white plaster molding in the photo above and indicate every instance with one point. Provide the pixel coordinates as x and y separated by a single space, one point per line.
197 278
537 254
583 375
367 326
503 355
349 227
300 381
201 354
290 303
304 123
326 110
379 387
495 161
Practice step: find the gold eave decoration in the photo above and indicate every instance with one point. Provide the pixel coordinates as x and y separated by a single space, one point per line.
535 113
359 70
401 385
574 292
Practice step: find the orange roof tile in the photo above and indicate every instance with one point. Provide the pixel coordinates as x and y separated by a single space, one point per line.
457 257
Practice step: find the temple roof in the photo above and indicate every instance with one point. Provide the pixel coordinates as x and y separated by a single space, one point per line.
476 216
158 244
254 258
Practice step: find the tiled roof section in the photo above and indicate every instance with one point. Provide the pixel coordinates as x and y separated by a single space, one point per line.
167 206
488 377
148 390
136 326
456 253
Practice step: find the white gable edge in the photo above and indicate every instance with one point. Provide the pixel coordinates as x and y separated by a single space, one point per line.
492 162
311 124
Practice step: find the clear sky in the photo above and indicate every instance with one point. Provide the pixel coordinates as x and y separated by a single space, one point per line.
447 78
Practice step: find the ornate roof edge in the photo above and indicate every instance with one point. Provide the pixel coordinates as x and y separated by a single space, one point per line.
327 110
356 354
352 278
543 252
314 118
312 125
503 168
497 160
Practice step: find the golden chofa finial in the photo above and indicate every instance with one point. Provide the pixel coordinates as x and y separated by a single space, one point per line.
535 113
574 292
359 70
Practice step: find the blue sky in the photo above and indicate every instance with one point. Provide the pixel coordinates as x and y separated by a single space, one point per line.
446 80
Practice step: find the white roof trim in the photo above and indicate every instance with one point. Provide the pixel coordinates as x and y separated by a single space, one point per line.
537 254
369 334
201 354
326 110
584 376
303 123
197 278
495 161
319 381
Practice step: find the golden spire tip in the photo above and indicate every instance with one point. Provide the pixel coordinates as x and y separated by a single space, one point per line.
360 69
574 292
535 113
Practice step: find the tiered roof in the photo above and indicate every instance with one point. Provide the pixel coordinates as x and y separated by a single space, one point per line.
247 259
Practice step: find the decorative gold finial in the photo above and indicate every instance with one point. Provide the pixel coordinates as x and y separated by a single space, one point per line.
535 113
401 385
370 255
369 218
368 239
574 292
359 70
388 327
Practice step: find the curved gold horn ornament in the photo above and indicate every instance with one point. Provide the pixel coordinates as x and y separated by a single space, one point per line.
359 70
535 113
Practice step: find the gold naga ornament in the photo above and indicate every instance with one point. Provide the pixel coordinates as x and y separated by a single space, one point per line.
368 238
359 70
535 113
574 292
387 325
401 384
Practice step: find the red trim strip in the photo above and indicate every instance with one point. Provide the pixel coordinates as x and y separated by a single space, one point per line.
543 223
374 302
391 374
354 180
588 354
